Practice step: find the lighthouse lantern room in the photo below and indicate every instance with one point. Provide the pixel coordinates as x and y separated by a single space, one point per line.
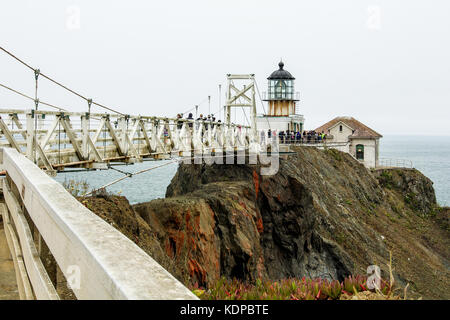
282 100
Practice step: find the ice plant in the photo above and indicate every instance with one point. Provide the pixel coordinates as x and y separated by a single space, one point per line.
288 289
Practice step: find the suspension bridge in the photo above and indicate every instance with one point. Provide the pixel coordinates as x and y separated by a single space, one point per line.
58 139
58 245
53 240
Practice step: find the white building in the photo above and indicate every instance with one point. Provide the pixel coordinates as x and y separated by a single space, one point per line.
361 141
282 100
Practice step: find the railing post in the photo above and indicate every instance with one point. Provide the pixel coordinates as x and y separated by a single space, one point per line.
122 125
85 135
30 133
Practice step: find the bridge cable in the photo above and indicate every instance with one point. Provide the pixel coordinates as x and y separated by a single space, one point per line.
28 97
36 104
128 175
59 84
59 140
131 174
262 104
197 105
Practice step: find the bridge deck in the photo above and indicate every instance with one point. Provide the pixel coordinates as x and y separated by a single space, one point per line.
88 140
8 284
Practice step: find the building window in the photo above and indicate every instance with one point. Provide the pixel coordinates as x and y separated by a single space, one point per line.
340 128
360 152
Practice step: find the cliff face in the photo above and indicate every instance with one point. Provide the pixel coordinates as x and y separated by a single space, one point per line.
322 215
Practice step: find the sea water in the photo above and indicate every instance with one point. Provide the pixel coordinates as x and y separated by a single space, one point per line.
430 155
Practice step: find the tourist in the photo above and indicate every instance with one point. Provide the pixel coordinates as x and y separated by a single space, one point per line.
197 122
179 122
281 136
166 134
190 118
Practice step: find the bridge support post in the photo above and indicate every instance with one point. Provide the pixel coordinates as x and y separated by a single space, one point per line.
122 124
240 98
30 134
85 135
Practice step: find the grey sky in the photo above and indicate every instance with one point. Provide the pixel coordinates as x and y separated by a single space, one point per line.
391 71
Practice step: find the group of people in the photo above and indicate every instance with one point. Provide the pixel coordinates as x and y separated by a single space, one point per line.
209 118
290 136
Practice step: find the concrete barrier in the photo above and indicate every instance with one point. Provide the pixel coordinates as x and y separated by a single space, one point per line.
97 260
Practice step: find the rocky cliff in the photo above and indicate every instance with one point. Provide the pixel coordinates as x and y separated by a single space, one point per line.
322 215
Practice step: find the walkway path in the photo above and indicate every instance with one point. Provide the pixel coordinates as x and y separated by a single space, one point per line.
8 286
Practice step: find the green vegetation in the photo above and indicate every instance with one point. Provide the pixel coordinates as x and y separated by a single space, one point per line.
78 188
386 180
291 289
412 201
337 155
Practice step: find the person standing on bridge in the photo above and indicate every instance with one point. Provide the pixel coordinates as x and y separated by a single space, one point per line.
190 118
197 122
281 136
179 122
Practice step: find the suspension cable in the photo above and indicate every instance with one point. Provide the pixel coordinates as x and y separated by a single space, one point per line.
58 83
28 97
128 175
36 104
262 104
197 105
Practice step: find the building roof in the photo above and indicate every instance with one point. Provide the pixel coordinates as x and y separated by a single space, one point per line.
281 73
360 130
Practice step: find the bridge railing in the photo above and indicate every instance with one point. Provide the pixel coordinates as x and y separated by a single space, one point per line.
97 260
394 163
313 142
91 140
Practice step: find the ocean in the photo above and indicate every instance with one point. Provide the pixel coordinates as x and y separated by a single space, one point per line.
430 155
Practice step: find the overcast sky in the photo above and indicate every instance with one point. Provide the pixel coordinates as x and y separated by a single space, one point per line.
387 63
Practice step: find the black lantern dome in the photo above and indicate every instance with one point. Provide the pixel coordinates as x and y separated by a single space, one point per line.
281 85
281 73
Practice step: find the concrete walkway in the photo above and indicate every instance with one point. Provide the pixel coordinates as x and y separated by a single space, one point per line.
8 285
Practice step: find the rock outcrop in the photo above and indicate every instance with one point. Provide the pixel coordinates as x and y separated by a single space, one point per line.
322 215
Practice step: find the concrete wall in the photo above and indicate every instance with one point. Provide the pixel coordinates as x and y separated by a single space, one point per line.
340 136
276 123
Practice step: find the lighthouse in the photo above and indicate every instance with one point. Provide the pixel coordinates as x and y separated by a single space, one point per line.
282 100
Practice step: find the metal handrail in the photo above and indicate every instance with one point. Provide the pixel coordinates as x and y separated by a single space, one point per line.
395 163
